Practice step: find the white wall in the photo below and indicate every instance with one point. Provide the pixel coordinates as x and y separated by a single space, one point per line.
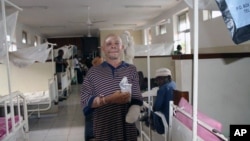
155 63
169 14
224 84
31 78
183 76
212 33
31 33
26 79
4 80
223 88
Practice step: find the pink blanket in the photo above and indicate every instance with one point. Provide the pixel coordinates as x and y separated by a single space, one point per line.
3 125
202 132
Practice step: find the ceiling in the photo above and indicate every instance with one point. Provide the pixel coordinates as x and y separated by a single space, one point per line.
61 18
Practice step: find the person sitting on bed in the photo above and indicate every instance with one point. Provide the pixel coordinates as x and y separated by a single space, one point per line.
164 95
165 92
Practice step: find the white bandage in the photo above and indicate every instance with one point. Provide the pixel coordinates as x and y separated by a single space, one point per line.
133 114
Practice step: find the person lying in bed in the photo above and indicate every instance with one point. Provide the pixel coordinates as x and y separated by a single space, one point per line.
164 95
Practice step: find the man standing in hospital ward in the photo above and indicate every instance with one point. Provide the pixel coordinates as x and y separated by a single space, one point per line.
114 112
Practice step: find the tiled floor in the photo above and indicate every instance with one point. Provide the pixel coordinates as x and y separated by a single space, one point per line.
66 125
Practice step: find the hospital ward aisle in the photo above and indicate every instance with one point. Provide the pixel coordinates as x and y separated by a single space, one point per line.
66 125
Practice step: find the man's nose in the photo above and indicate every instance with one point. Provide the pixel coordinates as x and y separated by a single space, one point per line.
113 45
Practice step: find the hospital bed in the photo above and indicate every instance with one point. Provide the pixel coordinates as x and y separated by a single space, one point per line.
38 101
64 85
73 75
14 121
148 97
146 131
65 78
40 86
180 123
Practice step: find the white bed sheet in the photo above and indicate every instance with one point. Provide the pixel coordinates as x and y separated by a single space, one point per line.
152 92
38 97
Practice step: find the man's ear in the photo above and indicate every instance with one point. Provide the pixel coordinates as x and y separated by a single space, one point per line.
102 47
123 47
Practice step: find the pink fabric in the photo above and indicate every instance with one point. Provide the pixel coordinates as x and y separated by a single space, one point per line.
202 132
3 125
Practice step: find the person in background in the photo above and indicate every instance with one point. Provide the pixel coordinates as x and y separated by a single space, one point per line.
165 93
84 67
61 64
97 61
77 67
164 96
178 51
114 112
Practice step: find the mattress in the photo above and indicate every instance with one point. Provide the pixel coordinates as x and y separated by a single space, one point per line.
3 125
33 98
38 97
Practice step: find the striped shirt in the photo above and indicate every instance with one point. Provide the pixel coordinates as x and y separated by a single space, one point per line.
109 120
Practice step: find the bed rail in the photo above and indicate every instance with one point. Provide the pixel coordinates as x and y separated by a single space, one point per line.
53 98
14 120
166 135
53 89
203 124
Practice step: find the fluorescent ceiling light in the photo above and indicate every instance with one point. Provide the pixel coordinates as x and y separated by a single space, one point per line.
34 7
52 26
162 21
124 24
142 6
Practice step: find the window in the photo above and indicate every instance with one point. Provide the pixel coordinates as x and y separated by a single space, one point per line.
24 37
183 22
147 36
183 32
161 28
216 14
36 41
209 14
12 45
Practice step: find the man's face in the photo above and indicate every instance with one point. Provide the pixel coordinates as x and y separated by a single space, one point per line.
160 80
60 53
112 47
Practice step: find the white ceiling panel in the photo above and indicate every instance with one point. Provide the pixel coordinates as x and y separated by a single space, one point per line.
55 18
